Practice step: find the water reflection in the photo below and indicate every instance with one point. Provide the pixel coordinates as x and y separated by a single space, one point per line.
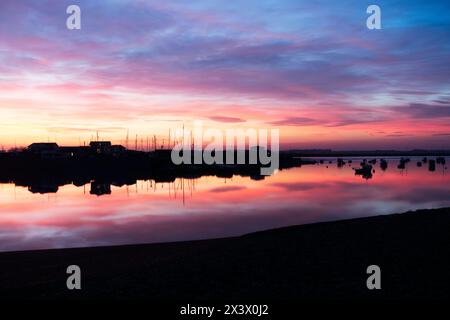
119 212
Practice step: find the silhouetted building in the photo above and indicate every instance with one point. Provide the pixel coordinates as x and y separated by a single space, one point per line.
75 151
40 147
101 147
118 149
45 150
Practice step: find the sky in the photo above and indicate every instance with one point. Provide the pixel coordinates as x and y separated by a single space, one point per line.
311 69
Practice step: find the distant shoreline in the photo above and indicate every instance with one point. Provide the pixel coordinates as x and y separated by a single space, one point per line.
369 153
316 261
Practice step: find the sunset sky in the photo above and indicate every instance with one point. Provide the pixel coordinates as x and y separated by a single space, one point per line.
310 68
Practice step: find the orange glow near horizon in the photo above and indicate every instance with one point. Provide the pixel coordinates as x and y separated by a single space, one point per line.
38 116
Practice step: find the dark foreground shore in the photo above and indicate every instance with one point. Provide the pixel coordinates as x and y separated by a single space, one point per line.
317 261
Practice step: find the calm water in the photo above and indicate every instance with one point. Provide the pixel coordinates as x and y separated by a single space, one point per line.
212 207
